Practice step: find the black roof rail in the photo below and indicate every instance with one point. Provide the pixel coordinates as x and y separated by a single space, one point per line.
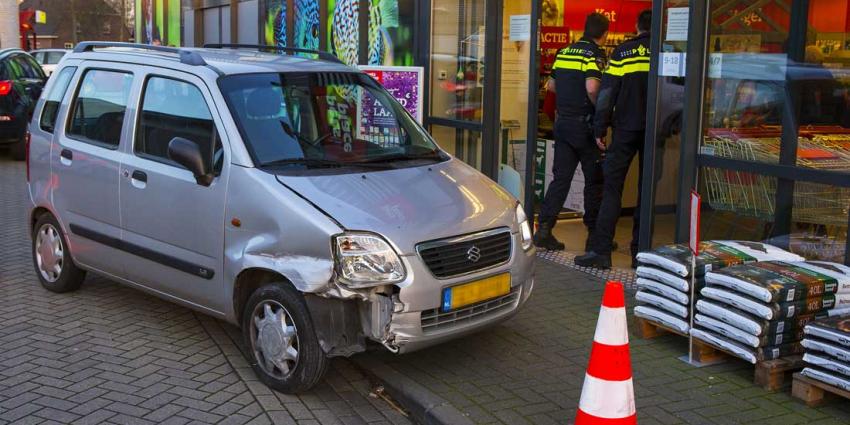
187 57
322 55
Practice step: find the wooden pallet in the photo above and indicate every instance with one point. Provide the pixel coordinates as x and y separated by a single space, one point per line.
768 374
813 392
649 330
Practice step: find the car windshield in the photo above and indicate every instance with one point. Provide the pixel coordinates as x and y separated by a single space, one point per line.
320 120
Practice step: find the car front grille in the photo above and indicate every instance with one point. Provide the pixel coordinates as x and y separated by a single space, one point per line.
466 254
435 319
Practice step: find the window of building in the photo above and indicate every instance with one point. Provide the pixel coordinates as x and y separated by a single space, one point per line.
98 110
54 98
173 108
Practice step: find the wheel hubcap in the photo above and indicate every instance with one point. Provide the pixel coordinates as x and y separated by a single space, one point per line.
274 339
49 253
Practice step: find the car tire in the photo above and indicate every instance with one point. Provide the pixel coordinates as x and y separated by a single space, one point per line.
281 343
51 257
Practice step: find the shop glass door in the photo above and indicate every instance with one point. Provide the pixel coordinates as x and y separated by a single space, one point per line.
457 68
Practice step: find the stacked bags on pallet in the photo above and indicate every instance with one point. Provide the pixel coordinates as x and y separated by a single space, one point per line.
827 351
664 279
758 311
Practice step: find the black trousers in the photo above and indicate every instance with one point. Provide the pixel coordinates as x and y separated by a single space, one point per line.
624 146
574 144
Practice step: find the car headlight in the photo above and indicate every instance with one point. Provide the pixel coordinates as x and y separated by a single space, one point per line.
524 227
366 260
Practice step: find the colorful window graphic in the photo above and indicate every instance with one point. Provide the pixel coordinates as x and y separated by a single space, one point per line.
307 24
275 23
158 22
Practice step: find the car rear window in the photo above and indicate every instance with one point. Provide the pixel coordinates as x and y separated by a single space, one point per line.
53 58
98 110
54 98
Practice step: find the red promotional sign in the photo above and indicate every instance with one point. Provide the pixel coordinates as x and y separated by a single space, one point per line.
554 37
621 13
696 203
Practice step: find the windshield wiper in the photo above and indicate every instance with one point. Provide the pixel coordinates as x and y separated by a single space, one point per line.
320 163
310 162
401 157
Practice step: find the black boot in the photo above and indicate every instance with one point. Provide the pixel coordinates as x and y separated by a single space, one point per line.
592 259
545 240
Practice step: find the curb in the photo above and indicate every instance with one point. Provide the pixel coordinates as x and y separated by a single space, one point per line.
425 407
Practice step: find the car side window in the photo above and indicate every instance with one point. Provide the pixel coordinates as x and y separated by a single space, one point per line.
97 113
173 108
28 67
52 58
54 99
39 57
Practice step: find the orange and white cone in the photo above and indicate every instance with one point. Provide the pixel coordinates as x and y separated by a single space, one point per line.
608 396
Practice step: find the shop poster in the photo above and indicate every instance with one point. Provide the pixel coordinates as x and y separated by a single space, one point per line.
158 22
405 84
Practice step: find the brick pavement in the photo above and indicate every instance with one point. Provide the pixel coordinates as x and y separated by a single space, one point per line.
107 353
530 370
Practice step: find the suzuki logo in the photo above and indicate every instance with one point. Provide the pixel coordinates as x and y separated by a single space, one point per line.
473 254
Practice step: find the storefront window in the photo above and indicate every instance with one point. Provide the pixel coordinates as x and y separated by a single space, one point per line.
457 59
344 30
462 143
745 84
778 92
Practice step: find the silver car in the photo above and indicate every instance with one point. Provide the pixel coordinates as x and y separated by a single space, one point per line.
253 187
48 58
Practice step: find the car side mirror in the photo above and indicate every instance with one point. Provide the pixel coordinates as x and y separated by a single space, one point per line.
186 153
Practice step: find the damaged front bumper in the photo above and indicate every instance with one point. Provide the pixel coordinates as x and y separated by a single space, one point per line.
407 316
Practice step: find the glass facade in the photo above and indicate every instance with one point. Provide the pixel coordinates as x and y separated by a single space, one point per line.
749 102
770 132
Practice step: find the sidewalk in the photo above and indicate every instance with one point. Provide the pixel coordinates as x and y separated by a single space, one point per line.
111 354
530 370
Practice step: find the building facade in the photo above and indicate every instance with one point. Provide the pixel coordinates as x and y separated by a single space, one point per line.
749 101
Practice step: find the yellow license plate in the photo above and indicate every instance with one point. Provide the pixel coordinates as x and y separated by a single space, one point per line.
474 292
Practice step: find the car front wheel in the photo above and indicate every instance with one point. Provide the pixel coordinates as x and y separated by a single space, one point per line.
282 344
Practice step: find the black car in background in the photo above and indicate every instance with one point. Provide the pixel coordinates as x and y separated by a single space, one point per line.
21 82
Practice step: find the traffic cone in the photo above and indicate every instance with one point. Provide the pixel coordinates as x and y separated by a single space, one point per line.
608 396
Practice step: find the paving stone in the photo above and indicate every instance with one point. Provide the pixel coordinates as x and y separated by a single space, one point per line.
110 354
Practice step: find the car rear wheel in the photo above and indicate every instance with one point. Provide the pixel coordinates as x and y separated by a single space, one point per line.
282 344
53 264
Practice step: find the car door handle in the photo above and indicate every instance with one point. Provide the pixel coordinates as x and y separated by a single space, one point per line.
66 156
140 176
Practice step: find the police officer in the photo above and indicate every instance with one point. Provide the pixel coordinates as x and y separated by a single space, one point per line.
577 73
621 105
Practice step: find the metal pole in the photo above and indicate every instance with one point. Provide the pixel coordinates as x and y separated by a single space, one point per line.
692 112
651 137
533 93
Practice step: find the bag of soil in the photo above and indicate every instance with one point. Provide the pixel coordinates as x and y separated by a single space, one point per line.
674 281
776 281
752 324
776 351
827 363
662 303
741 336
771 311
662 318
819 345
834 329
713 255
662 289
724 344
826 377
